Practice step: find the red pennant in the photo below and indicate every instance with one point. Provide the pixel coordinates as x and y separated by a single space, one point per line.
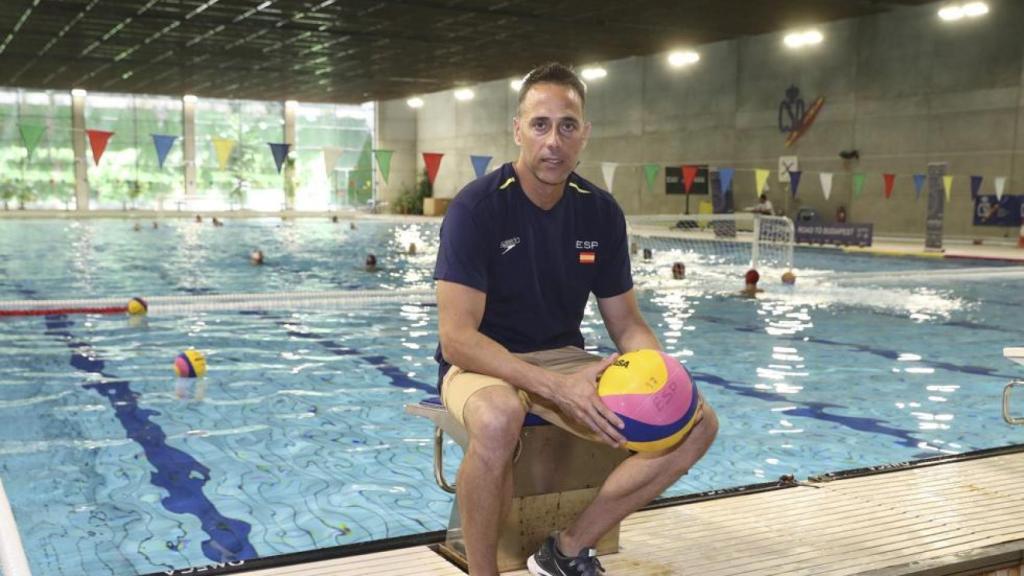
689 173
433 162
889 179
98 142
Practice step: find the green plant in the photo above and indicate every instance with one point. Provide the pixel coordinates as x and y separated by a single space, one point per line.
410 201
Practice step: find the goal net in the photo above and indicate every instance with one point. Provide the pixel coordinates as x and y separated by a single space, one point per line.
714 245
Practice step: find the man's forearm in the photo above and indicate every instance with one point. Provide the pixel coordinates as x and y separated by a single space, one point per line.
475 352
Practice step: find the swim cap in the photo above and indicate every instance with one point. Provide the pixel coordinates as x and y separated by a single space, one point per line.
751 277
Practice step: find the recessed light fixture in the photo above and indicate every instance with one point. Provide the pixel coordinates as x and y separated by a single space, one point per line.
78 92
593 73
954 12
803 38
464 94
415 102
189 98
680 58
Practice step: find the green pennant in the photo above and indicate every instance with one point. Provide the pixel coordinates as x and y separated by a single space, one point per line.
30 135
384 162
651 172
858 183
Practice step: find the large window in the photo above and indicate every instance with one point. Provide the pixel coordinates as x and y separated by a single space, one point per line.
342 134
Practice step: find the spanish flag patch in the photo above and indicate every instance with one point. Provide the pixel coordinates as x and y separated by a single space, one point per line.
587 257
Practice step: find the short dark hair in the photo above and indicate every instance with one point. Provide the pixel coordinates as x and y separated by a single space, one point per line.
553 73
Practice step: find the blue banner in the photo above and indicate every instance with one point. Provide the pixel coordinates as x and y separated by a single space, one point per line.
280 152
480 164
725 175
990 211
162 143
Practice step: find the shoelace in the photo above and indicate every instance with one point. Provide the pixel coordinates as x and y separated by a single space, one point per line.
587 563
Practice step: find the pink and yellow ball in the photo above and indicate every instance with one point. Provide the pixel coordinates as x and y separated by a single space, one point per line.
654 396
190 364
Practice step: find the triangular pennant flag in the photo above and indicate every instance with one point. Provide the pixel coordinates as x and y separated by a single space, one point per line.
433 162
162 143
650 173
890 179
858 183
760 179
223 148
918 185
608 171
384 163
826 183
30 135
1000 186
947 184
725 178
975 186
280 152
480 164
794 181
331 155
98 142
689 174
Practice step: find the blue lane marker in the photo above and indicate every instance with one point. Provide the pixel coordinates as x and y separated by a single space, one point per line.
176 471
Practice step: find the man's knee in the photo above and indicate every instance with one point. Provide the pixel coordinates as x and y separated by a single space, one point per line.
494 419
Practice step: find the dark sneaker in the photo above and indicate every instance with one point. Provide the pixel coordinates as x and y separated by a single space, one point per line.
549 561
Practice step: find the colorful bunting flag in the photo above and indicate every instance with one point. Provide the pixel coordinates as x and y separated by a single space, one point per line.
30 135
162 143
689 174
331 155
725 178
433 162
480 164
98 140
947 184
223 148
794 181
384 164
650 173
1000 186
826 183
760 179
858 183
918 185
608 171
890 179
280 152
975 186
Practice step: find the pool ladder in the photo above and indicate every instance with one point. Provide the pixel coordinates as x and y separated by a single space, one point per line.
1017 355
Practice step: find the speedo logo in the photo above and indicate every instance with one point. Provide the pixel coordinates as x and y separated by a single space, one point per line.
509 244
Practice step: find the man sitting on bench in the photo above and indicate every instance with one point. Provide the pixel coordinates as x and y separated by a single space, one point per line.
521 249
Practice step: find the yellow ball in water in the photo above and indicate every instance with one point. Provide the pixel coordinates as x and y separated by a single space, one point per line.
190 364
137 306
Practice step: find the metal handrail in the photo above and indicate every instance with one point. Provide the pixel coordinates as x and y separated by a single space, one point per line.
1006 403
12 553
442 482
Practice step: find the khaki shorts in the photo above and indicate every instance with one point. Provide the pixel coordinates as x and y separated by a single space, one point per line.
458 385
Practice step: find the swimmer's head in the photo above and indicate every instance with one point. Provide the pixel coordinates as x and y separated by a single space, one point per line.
256 257
751 277
371 262
412 248
678 270
647 253
788 278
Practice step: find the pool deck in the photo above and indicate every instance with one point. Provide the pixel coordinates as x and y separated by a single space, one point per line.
988 250
951 518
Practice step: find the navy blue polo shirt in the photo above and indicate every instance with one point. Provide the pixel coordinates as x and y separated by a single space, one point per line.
537 267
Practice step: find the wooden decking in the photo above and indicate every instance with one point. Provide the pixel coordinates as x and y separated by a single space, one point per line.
963 517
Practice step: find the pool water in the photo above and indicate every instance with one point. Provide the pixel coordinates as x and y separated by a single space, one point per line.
296 438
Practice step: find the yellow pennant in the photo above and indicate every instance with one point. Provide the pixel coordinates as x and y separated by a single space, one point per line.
947 183
761 178
223 147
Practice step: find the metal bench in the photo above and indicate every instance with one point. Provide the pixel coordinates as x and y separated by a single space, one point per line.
556 475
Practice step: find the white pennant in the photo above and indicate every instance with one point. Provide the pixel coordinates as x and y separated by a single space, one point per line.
608 169
826 183
331 155
1000 184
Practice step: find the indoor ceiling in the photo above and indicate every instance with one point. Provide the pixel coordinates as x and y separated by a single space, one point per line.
351 51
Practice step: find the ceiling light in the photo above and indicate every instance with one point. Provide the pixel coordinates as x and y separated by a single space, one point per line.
516 85
680 58
593 73
290 103
951 13
974 9
803 38
189 98
464 94
415 102
78 92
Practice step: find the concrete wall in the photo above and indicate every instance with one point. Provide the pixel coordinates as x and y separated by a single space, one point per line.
903 88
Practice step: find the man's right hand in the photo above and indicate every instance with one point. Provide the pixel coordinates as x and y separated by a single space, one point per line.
577 398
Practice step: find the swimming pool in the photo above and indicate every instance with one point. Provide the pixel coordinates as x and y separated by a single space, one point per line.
296 438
